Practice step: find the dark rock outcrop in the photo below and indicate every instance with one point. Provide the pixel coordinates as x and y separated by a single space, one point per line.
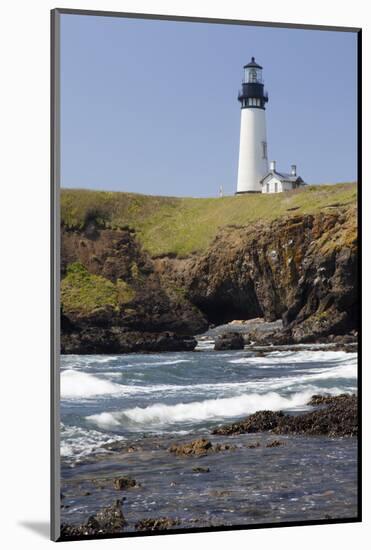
116 340
124 482
105 521
156 524
261 421
229 340
336 417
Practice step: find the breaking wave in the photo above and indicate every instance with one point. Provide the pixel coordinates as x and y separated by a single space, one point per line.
81 384
199 411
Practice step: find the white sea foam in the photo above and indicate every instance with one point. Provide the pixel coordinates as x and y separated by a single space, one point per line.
210 409
287 358
79 442
158 363
81 384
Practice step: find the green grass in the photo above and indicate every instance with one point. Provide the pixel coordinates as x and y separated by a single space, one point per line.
84 293
181 226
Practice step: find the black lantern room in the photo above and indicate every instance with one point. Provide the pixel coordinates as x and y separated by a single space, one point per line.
252 94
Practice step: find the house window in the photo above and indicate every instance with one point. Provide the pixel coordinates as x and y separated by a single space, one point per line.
267 187
264 149
275 187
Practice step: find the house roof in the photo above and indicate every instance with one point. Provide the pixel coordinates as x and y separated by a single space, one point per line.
283 176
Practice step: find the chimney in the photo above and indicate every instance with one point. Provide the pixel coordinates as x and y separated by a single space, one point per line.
293 169
272 165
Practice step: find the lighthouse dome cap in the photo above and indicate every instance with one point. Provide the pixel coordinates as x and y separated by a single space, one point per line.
253 64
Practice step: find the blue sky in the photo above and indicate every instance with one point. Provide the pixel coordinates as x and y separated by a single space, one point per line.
151 106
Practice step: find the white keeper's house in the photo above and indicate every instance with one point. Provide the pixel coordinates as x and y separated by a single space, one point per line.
277 182
253 173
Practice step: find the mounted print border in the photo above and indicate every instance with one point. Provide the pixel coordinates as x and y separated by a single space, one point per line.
191 446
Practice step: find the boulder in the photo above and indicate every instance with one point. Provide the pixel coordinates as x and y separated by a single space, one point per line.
228 341
124 482
198 447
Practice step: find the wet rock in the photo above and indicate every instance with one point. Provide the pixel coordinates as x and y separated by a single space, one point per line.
200 470
336 417
111 518
224 447
156 524
105 521
115 339
260 421
228 341
254 445
328 399
121 483
198 447
269 338
274 443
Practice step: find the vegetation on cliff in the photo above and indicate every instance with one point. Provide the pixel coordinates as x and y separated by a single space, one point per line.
182 226
84 293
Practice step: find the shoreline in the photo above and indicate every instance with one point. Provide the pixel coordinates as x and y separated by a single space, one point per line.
235 479
256 335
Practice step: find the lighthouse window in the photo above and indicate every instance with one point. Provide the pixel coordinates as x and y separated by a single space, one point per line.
253 75
264 149
258 102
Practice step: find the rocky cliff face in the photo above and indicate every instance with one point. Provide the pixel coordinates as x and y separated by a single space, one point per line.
301 268
113 300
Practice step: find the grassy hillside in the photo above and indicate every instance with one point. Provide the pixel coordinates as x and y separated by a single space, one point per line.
171 225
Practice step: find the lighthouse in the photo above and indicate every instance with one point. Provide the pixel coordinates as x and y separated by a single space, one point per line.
253 156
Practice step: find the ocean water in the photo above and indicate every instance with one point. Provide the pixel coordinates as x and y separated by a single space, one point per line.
106 398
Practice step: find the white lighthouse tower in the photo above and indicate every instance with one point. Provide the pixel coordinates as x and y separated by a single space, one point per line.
253 158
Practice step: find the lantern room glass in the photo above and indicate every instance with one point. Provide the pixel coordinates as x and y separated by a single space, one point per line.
252 74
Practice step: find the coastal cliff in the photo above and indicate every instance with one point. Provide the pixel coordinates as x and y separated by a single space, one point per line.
148 273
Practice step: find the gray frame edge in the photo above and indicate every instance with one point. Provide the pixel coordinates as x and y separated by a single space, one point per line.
55 275
194 19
